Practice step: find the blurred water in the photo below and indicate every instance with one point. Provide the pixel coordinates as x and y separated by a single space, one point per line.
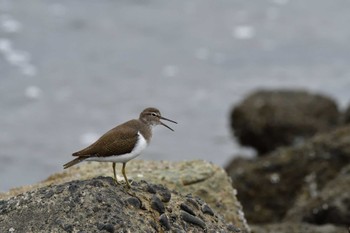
71 70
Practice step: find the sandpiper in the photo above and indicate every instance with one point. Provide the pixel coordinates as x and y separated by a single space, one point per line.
122 143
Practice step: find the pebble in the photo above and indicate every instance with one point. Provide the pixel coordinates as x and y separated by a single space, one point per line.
151 189
199 201
231 227
157 204
68 228
133 201
193 202
49 194
192 219
207 210
107 227
164 221
60 189
153 224
186 208
73 187
165 195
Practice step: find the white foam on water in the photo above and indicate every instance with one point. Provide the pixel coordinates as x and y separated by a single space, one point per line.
202 53
170 70
33 92
243 32
9 24
5 45
280 2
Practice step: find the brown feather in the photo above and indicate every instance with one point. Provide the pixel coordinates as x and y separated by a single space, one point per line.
73 162
117 141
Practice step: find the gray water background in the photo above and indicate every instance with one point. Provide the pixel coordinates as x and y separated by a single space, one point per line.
72 69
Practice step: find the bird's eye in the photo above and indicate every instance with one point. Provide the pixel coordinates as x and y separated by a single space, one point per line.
153 114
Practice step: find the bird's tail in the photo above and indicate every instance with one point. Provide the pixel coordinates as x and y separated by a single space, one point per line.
74 162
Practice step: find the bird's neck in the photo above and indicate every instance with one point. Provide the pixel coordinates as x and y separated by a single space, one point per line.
146 131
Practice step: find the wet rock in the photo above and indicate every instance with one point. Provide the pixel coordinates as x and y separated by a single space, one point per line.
198 177
165 194
157 204
266 120
329 205
186 208
151 188
34 211
232 228
192 201
207 210
164 221
133 201
192 219
106 227
346 115
296 227
269 186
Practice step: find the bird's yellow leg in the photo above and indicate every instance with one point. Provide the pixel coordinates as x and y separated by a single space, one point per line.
124 174
115 176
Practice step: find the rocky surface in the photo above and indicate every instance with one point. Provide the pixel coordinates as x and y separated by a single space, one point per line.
266 120
331 204
197 177
269 186
99 205
296 227
346 115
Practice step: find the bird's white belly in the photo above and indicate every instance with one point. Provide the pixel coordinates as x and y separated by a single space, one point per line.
139 147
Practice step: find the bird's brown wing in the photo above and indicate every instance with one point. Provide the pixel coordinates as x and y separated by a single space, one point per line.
119 140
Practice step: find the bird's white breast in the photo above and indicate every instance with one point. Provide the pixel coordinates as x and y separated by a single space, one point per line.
139 147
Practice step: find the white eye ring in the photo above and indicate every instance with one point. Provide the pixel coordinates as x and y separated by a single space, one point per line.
153 114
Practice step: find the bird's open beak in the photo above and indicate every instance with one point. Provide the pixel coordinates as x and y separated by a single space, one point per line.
163 118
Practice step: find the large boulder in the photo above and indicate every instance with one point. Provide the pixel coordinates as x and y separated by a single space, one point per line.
269 186
266 120
99 205
197 177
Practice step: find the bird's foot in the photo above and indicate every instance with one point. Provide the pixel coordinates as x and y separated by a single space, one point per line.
128 184
116 182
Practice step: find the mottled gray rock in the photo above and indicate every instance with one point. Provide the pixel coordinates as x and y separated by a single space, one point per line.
331 204
198 177
266 120
98 205
295 227
269 186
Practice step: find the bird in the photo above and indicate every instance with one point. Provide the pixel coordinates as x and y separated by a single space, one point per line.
122 143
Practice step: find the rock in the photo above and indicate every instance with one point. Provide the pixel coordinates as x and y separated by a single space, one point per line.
346 115
200 178
76 210
164 221
157 204
295 227
207 210
186 208
269 186
193 219
266 120
331 204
